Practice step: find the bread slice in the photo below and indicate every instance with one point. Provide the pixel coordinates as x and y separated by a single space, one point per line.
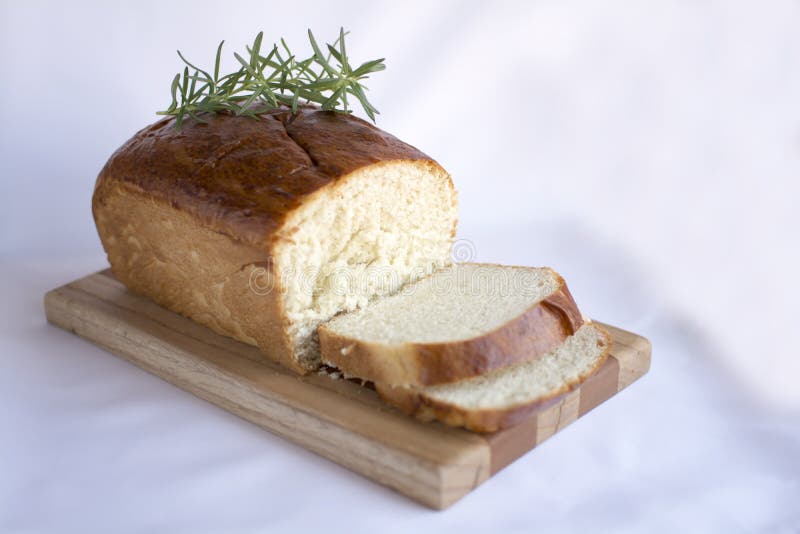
463 321
503 398
262 229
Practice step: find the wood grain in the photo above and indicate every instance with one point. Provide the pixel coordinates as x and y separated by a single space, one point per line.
433 464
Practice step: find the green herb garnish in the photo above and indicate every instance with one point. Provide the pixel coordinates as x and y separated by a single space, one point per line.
271 80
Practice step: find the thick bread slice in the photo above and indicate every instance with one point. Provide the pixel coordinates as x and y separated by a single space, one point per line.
462 321
503 398
249 226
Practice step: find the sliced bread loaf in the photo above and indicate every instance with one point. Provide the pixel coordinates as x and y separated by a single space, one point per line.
250 226
463 321
503 398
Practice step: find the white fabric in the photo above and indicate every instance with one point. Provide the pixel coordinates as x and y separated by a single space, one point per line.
647 151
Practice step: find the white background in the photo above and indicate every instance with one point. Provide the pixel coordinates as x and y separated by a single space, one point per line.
649 151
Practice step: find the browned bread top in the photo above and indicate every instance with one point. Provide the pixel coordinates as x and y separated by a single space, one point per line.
241 176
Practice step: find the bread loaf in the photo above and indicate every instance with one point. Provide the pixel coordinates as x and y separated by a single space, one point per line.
263 229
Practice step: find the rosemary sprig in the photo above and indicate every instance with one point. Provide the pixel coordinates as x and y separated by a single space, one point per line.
272 78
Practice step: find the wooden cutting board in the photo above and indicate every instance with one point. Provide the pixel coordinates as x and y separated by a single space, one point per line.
338 419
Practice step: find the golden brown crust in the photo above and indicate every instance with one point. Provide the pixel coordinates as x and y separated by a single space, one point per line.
543 327
415 402
242 177
189 217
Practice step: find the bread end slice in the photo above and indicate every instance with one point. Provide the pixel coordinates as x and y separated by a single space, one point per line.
505 397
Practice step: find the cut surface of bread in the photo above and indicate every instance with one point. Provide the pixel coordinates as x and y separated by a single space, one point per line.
460 322
378 229
502 398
